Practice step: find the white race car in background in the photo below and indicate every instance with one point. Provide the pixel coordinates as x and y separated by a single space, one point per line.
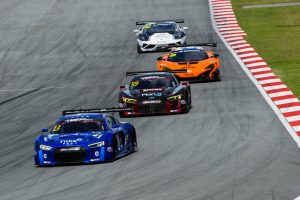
155 35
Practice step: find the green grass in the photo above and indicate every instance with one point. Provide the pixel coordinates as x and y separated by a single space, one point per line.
275 35
252 2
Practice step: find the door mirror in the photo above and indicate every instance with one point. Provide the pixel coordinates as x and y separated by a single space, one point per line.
45 130
215 55
159 58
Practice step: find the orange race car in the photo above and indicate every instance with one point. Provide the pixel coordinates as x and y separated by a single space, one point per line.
199 63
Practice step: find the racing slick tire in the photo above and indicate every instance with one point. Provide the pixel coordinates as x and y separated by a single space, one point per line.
188 104
133 142
115 149
217 76
138 48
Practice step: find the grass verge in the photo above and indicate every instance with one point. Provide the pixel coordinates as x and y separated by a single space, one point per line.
275 35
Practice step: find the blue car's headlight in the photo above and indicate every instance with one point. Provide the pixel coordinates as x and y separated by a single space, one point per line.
97 144
45 147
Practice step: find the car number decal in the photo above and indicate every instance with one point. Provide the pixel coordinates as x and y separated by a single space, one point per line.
172 55
134 83
56 128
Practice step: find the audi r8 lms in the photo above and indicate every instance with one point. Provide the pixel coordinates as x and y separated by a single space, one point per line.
157 34
85 136
199 63
155 92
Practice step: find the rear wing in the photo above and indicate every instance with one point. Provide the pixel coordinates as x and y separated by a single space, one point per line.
190 45
143 72
160 21
96 110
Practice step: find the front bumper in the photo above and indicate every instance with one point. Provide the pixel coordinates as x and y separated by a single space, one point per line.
146 108
157 46
85 155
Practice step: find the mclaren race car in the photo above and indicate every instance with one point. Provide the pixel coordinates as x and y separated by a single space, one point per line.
199 63
152 92
157 34
85 136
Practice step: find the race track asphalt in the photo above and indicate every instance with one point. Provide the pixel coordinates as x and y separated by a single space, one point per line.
65 54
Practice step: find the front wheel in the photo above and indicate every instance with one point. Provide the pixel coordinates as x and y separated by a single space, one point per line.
138 48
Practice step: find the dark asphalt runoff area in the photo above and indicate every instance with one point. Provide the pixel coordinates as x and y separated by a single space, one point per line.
67 54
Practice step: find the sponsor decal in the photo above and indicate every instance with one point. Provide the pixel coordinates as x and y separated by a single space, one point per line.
70 142
97 153
45 156
157 94
152 89
152 102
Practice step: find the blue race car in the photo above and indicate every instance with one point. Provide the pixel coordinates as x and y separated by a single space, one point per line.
85 136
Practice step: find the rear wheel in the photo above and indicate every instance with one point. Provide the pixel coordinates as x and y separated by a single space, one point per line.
114 150
217 75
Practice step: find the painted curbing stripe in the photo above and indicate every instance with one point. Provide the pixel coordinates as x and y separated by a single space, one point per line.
263 72
286 101
244 50
290 109
275 87
256 64
263 69
227 19
255 58
277 90
287 105
283 97
264 75
293 119
295 123
241 46
235 38
248 54
281 94
224 13
237 42
231 29
227 22
292 114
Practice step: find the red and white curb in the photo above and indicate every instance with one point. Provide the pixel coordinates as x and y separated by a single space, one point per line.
285 104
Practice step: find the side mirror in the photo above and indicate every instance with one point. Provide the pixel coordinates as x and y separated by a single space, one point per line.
185 28
136 31
45 130
122 87
159 58
184 83
115 126
215 55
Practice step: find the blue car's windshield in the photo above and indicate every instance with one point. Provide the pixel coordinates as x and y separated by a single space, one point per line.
78 126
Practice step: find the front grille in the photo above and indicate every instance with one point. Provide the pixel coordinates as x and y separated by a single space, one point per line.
69 156
150 46
152 108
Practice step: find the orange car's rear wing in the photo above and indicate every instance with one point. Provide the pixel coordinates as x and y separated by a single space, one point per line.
190 45
156 71
96 110
160 21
